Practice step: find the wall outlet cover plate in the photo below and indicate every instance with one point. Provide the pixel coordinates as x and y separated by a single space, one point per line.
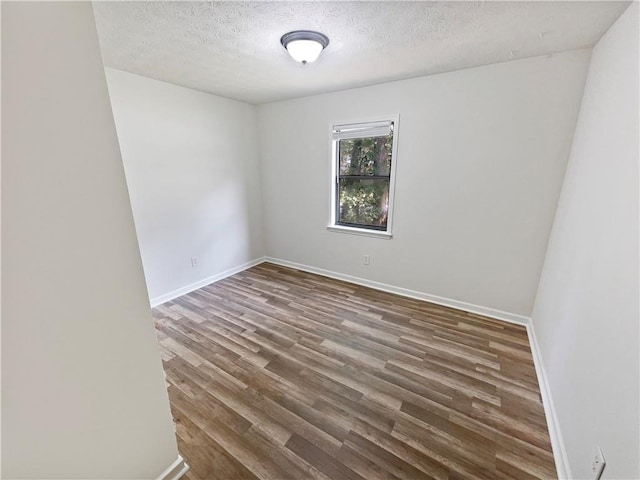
598 464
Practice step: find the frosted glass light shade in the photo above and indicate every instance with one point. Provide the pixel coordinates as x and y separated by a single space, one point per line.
304 46
304 51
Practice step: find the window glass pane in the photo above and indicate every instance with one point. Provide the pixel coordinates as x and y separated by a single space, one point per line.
365 156
363 202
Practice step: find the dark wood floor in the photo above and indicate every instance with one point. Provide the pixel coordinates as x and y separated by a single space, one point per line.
279 374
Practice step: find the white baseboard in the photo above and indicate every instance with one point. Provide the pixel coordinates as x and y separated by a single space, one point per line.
557 444
174 471
204 282
447 302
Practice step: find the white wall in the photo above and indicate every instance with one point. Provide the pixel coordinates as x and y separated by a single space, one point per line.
481 157
192 168
83 393
586 312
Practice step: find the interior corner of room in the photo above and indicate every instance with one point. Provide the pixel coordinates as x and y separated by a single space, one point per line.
515 197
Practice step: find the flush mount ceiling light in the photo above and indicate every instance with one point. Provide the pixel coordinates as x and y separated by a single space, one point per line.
304 46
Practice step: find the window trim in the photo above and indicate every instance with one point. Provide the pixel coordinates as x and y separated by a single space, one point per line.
333 227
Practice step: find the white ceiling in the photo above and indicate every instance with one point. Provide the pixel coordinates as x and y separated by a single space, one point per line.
233 49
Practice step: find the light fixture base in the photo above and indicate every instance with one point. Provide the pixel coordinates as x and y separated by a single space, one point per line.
304 46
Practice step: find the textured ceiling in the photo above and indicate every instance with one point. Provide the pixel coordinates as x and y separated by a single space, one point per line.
233 49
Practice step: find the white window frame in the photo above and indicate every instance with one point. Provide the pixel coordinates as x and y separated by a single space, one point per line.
385 234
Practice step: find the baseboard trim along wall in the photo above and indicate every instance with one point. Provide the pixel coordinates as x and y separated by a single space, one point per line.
447 302
203 283
174 471
557 444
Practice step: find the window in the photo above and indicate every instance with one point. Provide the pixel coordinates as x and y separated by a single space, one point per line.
363 176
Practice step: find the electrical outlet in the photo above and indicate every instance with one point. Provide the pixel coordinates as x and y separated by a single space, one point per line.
366 260
598 464
194 262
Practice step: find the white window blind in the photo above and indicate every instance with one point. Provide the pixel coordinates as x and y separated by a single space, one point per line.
362 130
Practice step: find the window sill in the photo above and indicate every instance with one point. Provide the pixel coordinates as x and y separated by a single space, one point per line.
360 231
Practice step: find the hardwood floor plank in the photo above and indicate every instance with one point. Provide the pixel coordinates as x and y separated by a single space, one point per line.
211 459
279 374
362 465
320 459
401 460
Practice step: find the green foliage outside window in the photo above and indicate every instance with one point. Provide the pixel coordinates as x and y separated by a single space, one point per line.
364 176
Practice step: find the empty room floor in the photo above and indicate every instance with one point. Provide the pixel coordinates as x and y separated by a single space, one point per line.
275 374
